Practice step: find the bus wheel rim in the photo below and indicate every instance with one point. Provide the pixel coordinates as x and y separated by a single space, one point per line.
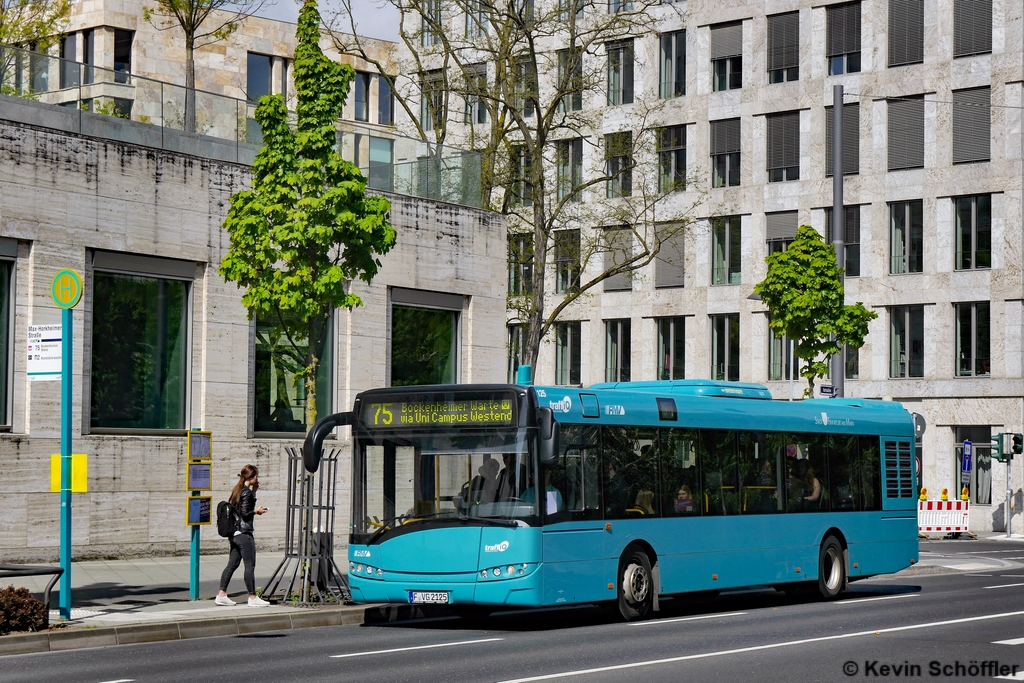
635 584
833 571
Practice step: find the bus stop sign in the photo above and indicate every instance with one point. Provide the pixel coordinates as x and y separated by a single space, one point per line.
965 464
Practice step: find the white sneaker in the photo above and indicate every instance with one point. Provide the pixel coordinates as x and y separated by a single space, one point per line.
258 602
224 600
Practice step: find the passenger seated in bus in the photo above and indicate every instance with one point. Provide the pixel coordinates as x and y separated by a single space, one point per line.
510 482
645 502
812 489
552 496
616 493
684 500
484 487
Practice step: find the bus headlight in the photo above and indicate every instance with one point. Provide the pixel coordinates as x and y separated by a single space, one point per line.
510 570
380 572
497 571
369 569
359 567
483 574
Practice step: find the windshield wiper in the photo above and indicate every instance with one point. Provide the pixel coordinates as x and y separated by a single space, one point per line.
483 521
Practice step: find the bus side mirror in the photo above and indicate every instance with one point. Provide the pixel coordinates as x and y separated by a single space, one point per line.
548 433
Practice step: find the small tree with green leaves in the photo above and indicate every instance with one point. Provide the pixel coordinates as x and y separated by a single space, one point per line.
306 228
803 291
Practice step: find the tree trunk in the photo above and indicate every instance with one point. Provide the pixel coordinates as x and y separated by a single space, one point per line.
535 319
190 86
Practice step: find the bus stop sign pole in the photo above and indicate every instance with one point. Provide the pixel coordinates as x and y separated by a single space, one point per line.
66 292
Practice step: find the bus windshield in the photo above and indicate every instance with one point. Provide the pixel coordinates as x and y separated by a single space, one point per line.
405 479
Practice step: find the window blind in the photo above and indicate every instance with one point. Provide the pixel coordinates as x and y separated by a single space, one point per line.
906 133
906 32
851 139
972 122
726 40
784 140
851 225
725 136
783 41
972 27
781 225
843 29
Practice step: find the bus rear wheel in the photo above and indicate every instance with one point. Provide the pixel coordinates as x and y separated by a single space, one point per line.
831 569
636 587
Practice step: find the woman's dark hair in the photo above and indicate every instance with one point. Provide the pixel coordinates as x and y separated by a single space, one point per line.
247 473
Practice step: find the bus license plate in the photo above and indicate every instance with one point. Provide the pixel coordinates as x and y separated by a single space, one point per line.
431 598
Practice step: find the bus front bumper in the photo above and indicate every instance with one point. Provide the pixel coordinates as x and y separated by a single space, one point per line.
461 589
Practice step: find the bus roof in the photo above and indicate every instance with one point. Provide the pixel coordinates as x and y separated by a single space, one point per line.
721 405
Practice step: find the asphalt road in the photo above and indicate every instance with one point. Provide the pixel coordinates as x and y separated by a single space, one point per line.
931 626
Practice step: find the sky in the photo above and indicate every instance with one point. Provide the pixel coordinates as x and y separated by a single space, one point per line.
374 18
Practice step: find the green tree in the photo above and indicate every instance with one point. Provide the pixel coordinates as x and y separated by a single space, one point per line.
803 291
306 228
202 22
35 25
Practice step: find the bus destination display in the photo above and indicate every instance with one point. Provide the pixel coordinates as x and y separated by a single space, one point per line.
491 411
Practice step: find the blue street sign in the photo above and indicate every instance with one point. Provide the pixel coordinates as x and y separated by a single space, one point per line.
968 453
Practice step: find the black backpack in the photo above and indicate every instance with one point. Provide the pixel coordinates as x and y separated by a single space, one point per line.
227 519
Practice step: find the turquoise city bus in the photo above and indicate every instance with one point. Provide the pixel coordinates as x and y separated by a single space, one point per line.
530 496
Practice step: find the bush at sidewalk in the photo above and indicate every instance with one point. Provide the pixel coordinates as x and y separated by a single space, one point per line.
20 611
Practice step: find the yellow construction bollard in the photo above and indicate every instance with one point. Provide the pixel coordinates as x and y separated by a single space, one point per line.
945 494
924 494
965 494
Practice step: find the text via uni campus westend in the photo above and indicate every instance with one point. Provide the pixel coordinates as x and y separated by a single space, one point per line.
873 668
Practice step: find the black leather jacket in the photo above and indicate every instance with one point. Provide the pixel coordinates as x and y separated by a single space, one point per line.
246 510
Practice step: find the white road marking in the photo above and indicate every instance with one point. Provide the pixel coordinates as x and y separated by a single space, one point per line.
121 680
1015 641
672 621
1005 585
756 648
418 647
884 597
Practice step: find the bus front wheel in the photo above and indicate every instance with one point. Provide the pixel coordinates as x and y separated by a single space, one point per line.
831 569
636 587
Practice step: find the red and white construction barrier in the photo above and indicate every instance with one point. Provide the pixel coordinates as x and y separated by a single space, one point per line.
942 515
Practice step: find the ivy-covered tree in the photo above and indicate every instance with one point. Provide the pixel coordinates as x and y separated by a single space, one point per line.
803 291
306 228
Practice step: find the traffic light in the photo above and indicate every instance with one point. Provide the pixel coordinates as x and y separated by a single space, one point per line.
997 449
1018 444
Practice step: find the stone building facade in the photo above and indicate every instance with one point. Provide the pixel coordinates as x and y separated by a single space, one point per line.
933 186
139 221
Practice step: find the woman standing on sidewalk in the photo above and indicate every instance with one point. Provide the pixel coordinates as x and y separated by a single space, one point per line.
243 545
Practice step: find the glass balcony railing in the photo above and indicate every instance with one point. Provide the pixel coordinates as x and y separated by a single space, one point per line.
390 162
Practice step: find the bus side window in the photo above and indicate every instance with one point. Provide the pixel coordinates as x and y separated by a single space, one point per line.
719 467
843 474
758 474
806 469
577 474
869 469
680 484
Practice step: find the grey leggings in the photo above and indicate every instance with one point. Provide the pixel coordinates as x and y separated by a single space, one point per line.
243 547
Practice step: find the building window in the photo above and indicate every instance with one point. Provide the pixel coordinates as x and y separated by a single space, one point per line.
280 390
972 27
673 64
618 246
851 140
424 337
476 19
432 100
522 171
906 133
88 55
981 470
852 356
843 27
430 19
725 153
725 347
973 331
784 147
672 159
385 102
620 72
972 124
122 55
617 350
568 8
725 251
516 346
726 56
570 79
618 149
139 351
973 232
567 353
669 264
257 76
906 341
570 168
784 47
906 237
782 361
851 239
906 32
524 85
672 348
476 85
616 6
361 89
781 230
567 261
6 309
520 264
69 74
